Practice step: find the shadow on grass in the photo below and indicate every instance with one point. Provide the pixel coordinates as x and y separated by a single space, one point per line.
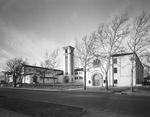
119 89
39 109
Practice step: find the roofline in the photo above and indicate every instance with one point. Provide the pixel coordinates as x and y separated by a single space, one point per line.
41 67
78 69
68 47
123 54
146 65
49 77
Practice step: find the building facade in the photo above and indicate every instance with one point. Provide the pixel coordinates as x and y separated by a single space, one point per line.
119 73
68 64
78 75
34 74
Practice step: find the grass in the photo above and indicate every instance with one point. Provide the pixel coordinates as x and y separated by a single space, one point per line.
38 109
50 86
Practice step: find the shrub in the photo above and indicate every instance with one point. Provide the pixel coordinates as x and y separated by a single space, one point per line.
3 82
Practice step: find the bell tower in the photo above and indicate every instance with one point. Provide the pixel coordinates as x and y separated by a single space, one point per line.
69 63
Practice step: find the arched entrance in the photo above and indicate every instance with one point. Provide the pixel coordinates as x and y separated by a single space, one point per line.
97 79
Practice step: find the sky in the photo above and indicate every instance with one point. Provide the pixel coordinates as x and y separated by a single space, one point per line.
29 28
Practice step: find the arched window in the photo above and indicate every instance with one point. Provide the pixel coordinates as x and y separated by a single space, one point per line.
96 62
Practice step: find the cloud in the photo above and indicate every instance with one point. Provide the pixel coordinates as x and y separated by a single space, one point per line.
74 16
16 42
6 4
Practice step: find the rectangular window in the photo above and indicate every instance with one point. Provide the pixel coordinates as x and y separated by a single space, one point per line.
115 81
114 61
115 70
66 51
104 81
76 73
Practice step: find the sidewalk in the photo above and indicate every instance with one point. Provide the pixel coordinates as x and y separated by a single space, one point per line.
115 90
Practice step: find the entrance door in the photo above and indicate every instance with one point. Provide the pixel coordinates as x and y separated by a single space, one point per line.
66 79
97 80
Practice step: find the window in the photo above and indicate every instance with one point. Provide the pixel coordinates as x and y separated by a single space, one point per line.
114 61
115 81
115 70
104 81
89 82
96 62
76 78
80 77
76 73
66 51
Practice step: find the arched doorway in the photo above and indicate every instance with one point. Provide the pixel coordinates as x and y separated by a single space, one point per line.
97 80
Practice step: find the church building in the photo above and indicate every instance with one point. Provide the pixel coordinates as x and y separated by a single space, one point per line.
119 73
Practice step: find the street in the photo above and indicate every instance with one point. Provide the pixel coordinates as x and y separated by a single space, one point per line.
105 103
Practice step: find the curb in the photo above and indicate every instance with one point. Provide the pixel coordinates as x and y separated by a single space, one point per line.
82 112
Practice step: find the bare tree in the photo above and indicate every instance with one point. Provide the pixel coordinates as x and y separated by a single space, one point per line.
45 65
15 67
108 41
83 54
139 38
49 64
54 63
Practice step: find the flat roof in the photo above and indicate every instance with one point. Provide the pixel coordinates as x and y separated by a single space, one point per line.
78 69
68 47
41 67
123 54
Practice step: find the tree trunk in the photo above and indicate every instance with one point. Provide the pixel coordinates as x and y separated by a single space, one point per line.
112 71
131 88
14 80
106 81
20 81
53 82
44 80
84 85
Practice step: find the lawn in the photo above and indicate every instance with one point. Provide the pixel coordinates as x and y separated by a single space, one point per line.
58 86
38 109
